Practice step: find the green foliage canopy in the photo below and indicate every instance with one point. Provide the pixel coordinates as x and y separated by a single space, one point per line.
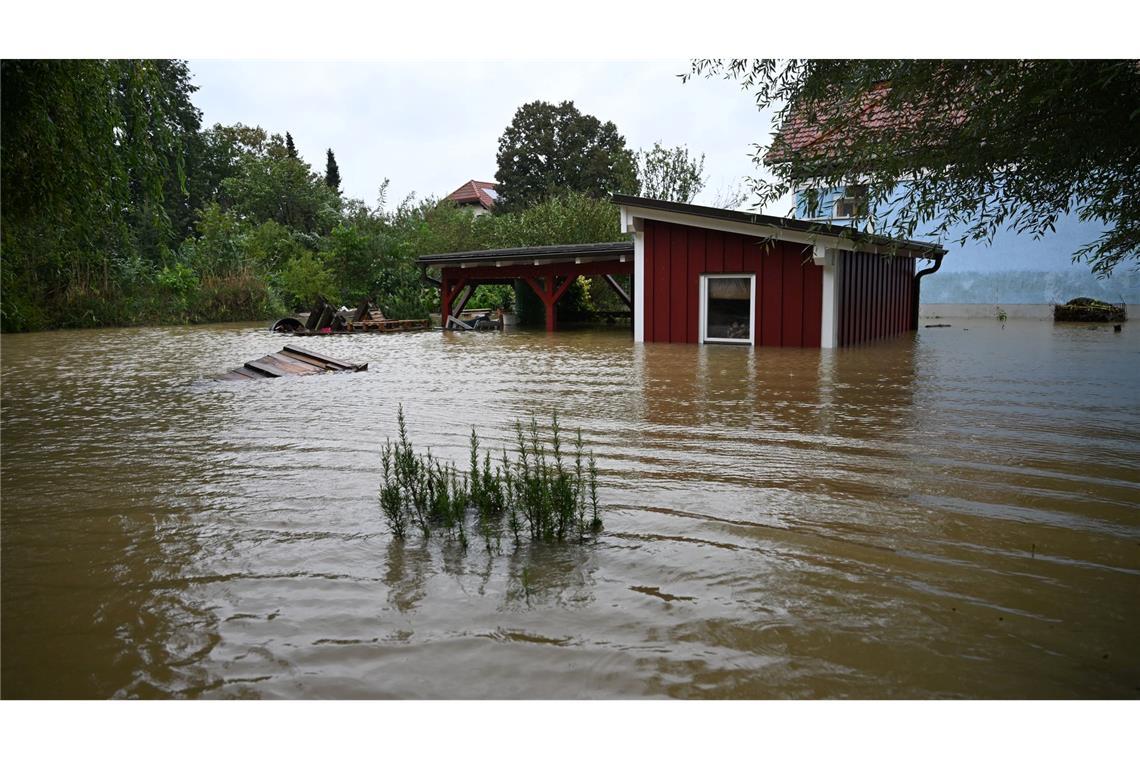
119 208
550 149
670 174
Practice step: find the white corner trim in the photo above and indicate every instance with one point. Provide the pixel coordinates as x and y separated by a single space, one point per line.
630 223
638 285
829 321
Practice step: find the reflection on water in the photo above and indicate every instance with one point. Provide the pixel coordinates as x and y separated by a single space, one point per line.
948 514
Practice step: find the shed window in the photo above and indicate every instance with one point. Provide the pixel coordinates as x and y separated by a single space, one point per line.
727 308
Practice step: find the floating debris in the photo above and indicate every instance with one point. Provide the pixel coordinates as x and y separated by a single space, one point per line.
938 325
481 320
325 320
1088 310
291 360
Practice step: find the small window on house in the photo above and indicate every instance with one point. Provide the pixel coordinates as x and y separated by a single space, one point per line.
852 204
727 308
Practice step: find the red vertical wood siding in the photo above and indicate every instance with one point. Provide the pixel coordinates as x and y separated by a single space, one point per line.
789 287
792 295
649 269
714 254
812 312
661 292
678 283
770 283
734 253
697 239
875 297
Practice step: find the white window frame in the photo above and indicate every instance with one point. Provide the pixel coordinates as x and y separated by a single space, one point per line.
704 298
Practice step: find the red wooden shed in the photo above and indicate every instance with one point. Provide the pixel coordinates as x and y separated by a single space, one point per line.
709 275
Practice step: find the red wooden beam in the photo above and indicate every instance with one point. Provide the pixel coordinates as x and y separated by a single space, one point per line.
522 271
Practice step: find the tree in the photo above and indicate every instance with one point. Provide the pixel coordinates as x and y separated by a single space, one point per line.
267 185
966 145
332 171
92 176
549 149
290 148
670 174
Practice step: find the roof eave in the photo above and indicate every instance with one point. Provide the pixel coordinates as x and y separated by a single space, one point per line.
774 227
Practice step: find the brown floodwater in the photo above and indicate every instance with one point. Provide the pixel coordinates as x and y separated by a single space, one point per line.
949 514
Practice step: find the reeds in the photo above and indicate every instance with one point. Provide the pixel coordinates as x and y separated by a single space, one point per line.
538 492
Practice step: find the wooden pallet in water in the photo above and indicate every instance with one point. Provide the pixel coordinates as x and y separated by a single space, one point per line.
291 360
387 325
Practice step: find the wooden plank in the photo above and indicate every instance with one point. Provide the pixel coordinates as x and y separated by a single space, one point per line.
362 311
307 360
265 367
314 355
291 365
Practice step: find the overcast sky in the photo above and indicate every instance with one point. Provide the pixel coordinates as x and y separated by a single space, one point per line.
430 127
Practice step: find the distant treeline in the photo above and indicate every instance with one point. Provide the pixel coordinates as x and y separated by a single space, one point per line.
118 208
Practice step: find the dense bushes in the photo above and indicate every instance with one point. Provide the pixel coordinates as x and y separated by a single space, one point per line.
118 209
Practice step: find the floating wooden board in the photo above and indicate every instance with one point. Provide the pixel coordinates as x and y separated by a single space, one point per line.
291 360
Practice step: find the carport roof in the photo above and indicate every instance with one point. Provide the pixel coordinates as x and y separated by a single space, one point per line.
591 251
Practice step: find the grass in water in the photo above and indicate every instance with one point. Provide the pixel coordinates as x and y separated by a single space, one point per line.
538 492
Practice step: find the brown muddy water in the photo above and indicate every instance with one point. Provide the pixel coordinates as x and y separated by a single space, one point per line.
950 514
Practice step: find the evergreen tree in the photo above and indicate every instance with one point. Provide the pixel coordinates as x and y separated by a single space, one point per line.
289 146
332 172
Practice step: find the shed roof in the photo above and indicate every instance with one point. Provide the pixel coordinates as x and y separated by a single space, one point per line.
592 251
779 224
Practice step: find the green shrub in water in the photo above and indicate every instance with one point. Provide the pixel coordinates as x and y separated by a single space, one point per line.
539 492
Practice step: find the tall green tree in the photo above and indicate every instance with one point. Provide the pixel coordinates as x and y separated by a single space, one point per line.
93 175
332 171
551 149
267 185
290 148
970 146
670 174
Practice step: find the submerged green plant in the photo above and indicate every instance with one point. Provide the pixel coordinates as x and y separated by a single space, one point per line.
536 491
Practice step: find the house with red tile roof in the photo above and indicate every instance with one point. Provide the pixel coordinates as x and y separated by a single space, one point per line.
1012 269
475 195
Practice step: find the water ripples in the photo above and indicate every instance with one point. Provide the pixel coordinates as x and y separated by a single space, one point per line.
949 515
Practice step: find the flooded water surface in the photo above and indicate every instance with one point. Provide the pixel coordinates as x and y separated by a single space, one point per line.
949 514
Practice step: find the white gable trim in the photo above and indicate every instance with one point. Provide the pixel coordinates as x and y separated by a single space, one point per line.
631 216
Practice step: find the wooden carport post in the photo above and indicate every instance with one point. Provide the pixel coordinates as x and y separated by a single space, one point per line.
447 294
549 295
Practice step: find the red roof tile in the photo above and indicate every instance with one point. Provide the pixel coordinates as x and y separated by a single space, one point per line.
474 191
805 133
